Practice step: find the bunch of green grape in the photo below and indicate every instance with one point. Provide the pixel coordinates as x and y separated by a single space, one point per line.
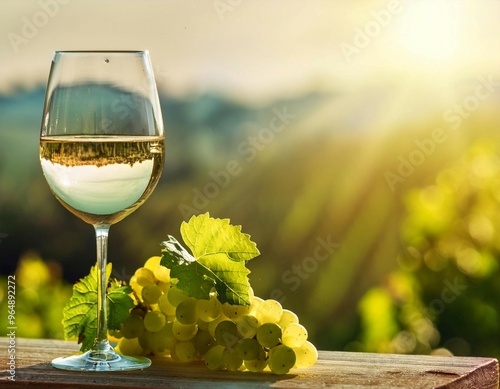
166 322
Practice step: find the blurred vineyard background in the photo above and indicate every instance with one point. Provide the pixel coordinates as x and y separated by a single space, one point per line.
392 170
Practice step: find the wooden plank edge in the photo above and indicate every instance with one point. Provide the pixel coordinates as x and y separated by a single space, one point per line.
485 376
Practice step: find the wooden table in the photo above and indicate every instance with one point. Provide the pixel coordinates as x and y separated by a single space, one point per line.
333 369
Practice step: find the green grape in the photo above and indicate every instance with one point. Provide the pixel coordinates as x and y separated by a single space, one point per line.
154 321
214 323
208 310
135 286
226 334
184 331
152 262
269 311
174 356
258 364
248 348
165 353
157 342
235 311
133 327
185 350
287 317
144 277
175 296
117 334
167 335
204 341
146 341
213 358
165 306
255 304
185 312
164 286
281 359
202 325
162 273
129 347
269 335
294 335
151 293
162 342
307 355
231 360
247 326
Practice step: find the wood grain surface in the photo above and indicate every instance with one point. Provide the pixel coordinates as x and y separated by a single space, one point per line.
333 370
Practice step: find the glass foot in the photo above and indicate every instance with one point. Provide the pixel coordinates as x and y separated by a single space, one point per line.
101 361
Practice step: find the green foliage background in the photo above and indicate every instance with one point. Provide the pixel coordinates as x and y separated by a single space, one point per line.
446 291
40 295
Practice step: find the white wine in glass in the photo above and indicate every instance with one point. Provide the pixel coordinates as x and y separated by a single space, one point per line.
102 152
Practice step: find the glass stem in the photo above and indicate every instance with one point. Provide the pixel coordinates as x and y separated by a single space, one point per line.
101 341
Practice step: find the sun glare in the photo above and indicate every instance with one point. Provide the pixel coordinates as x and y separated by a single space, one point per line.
430 29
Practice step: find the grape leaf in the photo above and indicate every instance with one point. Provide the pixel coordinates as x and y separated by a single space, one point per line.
119 303
218 260
80 312
193 278
207 236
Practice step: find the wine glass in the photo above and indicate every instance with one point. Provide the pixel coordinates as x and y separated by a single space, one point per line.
102 154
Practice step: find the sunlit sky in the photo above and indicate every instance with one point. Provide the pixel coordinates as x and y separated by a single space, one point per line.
255 49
